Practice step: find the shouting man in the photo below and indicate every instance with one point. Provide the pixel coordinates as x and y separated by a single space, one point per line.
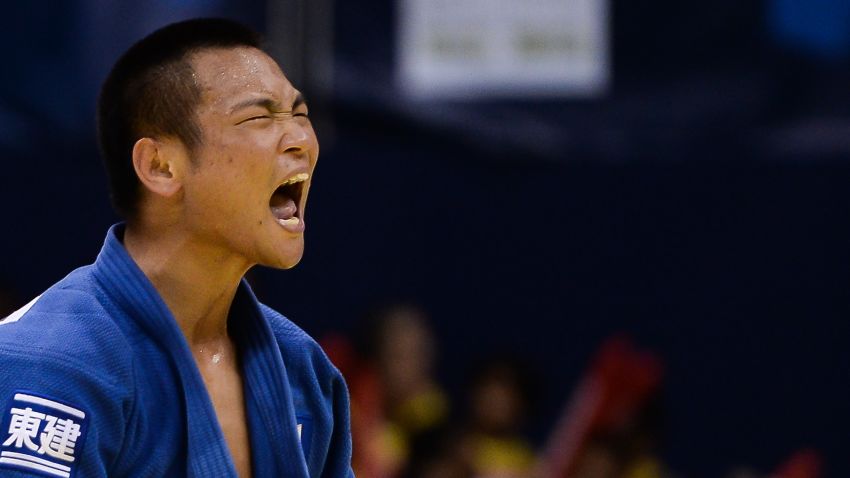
157 360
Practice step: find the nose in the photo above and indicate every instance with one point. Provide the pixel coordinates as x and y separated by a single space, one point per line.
297 138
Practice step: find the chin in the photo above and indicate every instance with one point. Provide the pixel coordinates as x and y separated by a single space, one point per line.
287 258
281 263
289 264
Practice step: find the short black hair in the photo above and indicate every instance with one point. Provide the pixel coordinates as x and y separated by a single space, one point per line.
152 91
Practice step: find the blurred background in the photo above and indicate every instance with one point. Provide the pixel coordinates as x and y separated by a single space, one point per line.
560 238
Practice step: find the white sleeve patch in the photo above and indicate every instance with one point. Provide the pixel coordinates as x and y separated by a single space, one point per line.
16 315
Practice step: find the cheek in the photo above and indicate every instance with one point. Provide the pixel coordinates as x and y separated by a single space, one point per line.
241 167
237 172
220 192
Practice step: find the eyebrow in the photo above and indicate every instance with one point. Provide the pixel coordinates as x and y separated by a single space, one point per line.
299 100
268 103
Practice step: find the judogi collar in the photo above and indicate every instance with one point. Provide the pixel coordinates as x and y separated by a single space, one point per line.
275 443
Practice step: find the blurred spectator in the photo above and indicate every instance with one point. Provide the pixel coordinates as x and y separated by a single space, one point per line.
500 397
406 350
395 399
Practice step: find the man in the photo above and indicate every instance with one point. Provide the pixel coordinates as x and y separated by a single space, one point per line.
157 360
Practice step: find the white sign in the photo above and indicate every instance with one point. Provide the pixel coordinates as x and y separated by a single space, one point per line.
475 48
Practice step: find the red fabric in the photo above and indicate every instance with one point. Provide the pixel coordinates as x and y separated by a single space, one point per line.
617 384
803 464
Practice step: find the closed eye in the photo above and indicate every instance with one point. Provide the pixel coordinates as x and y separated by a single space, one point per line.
290 114
254 118
302 114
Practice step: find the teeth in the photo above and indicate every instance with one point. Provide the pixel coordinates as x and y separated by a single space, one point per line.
292 221
296 179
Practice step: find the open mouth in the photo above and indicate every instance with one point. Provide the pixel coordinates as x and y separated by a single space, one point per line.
286 199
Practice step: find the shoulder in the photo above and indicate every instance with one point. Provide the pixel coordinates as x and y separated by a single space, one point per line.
288 334
66 330
64 361
284 329
298 347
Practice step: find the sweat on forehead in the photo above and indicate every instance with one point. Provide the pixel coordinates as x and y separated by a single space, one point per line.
212 65
226 73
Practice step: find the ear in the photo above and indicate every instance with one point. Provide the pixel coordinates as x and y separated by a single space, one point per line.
158 165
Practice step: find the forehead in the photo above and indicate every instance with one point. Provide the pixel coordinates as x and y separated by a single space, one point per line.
227 75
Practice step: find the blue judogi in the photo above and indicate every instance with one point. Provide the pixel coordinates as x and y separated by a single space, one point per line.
96 380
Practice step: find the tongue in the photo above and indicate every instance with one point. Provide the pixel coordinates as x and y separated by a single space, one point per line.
283 206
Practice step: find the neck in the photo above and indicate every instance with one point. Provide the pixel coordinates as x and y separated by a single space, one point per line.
196 280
